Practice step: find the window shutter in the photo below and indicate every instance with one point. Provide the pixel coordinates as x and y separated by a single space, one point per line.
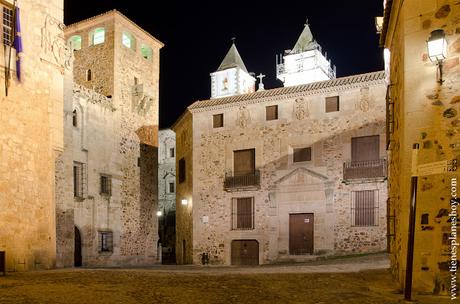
302 154
332 104
218 120
234 213
365 148
244 162
271 112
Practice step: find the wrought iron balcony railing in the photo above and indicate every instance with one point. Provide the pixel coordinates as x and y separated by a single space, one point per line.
365 169
242 181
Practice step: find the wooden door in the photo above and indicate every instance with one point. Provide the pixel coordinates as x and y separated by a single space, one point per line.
365 148
245 252
77 249
301 233
244 162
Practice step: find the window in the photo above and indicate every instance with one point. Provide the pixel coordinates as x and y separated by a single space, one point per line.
332 104
8 34
79 180
75 43
218 120
365 148
74 118
302 154
181 170
425 219
89 75
171 152
244 162
171 187
105 241
243 213
128 40
97 36
106 185
364 208
136 81
146 52
271 112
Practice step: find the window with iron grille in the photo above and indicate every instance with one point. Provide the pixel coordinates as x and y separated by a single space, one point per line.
243 213
364 208
271 112
218 120
79 180
302 154
106 185
105 241
8 25
332 104
181 170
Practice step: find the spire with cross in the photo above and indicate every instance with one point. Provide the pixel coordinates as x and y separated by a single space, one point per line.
261 84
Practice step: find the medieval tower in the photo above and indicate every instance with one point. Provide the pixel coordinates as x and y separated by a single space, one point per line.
107 177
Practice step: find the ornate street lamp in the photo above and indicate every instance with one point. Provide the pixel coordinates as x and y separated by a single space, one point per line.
437 49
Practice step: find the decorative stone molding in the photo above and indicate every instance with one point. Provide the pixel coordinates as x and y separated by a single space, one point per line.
301 109
54 49
92 96
243 117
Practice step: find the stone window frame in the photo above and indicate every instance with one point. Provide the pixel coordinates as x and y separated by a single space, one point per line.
276 112
7 23
75 118
172 152
105 241
74 44
89 75
291 149
93 36
80 180
302 161
218 120
173 187
128 38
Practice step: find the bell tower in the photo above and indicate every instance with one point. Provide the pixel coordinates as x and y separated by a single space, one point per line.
305 63
232 77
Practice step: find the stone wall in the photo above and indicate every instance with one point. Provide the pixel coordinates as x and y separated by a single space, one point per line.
310 187
166 170
31 137
425 112
184 190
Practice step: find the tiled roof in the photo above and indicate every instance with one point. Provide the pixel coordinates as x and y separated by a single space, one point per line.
287 92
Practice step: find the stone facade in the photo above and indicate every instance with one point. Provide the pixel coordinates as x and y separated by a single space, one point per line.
107 176
286 187
167 193
421 110
31 137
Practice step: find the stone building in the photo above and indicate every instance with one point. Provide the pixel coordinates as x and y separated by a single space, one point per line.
167 192
107 176
287 174
31 133
423 109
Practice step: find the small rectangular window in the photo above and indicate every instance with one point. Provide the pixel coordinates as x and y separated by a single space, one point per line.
171 152
218 120
243 213
181 170
271 112
106 185
364 208
171 187
74 118
302 154
7 26
332 104
79 180
105 241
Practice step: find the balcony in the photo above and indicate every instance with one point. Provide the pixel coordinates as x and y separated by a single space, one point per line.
249 181
367 170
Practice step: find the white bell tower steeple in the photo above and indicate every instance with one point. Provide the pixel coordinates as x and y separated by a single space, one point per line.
305 63
232 77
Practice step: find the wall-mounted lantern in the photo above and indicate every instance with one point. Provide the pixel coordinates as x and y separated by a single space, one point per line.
184 202
437 49
159 213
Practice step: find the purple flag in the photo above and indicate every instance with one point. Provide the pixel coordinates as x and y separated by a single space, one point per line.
18 44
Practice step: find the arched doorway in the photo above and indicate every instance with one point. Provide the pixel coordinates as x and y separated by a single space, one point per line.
77 250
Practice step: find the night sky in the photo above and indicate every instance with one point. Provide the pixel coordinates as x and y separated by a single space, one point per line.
197 35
